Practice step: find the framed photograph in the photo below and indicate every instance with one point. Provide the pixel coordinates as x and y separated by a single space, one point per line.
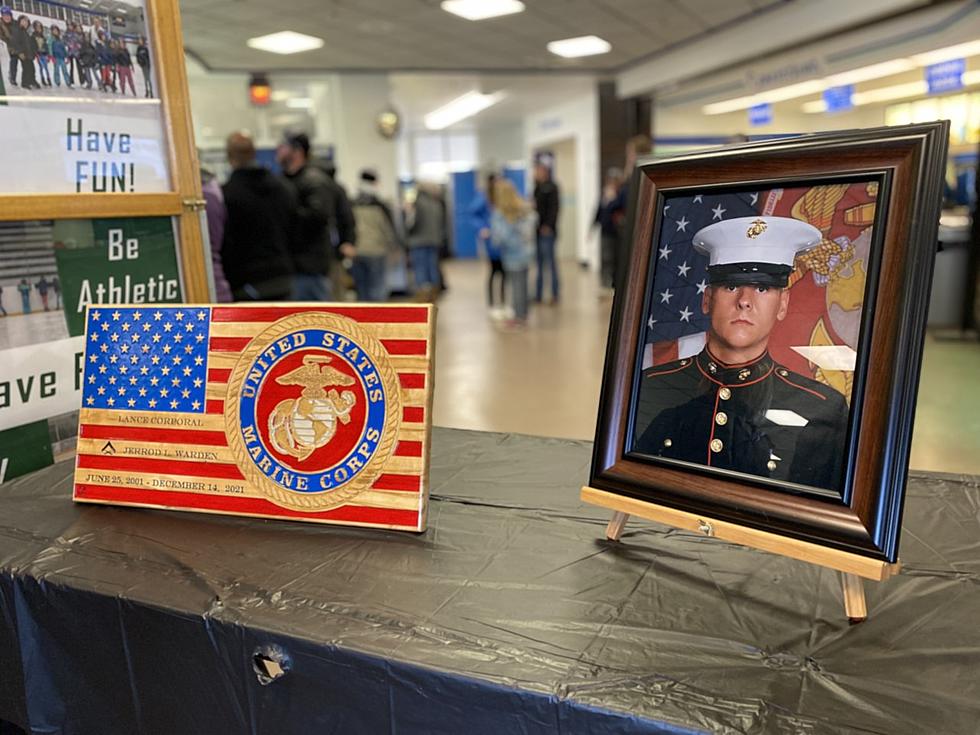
764 353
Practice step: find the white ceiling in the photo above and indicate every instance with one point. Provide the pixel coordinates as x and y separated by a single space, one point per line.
416 35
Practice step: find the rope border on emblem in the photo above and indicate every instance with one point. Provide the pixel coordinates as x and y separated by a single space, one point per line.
314 502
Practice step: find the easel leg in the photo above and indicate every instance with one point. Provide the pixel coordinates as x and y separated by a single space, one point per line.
616 524
855 606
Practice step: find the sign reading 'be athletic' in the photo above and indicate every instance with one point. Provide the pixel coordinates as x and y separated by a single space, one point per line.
310 412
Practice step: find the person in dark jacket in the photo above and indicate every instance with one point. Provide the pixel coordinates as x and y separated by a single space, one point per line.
143 59
607 218
313 243
732 406
7 26
73 40
87 61
255 247
22 45
546 202
59 52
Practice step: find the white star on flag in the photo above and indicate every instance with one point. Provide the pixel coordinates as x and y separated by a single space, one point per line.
650 322
664 252
682 224
666 296
717 212
683 269
754 198
686 314
698 198
702 286
666 208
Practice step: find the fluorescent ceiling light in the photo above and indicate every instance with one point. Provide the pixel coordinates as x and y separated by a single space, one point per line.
285 42
891 93
299 103
481 9
960 51
572 48
866 73
863 74
461 108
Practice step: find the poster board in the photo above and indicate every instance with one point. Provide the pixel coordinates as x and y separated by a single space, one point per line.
106 201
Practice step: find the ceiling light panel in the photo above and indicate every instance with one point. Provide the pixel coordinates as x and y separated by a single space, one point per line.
285 42
482 9
461 108
573 48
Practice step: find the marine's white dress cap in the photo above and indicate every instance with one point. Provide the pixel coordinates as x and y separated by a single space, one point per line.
754 250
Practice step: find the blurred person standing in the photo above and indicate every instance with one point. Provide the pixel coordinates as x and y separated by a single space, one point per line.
607 218
480 210
343 230
255 248
6 37
376 239
22 46
315 222
143 59
636 147
513 227
217 216
425 219
41 52
546 202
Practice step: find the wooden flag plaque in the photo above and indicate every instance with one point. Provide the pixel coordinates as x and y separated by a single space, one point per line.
312 412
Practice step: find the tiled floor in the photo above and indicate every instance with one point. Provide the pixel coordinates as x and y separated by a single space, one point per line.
545 379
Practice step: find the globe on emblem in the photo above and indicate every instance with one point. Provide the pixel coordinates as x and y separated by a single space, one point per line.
300 426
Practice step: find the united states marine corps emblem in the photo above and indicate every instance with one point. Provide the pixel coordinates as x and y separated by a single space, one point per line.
312 411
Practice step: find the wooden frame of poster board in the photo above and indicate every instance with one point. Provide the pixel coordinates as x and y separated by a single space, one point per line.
853 524
184 201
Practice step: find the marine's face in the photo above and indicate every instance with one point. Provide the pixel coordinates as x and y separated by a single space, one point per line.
742 317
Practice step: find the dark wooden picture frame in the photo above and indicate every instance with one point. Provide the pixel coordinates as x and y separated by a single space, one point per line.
865 518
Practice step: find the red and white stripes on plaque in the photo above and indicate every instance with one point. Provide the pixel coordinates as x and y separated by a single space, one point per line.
308 411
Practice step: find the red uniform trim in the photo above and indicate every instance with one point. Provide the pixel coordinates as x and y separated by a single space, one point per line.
808 390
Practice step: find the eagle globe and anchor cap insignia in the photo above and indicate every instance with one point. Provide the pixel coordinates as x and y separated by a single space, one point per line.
312 411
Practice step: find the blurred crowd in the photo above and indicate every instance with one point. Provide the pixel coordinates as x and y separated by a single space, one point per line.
301 236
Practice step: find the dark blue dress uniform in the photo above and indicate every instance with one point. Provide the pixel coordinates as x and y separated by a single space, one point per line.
758 418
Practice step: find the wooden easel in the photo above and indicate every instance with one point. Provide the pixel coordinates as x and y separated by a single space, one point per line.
852 567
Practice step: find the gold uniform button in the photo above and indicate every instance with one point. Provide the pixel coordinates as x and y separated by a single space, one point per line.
684 362
716 445
783 372
721 418
668 442
724 394
771 465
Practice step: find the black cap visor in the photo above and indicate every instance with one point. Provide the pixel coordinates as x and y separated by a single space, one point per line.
749 274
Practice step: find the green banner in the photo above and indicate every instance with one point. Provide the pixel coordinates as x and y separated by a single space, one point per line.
117 261
24 449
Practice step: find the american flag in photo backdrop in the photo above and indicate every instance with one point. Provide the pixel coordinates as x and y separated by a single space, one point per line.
675 323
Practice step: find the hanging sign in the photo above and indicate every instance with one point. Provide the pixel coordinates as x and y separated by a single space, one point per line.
839 99
946 76
760 114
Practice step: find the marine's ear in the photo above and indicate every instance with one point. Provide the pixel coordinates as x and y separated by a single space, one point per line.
783 304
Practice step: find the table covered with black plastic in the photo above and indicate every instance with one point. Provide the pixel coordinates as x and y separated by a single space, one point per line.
511 614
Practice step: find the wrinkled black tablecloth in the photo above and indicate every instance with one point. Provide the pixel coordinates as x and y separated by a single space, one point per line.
511 614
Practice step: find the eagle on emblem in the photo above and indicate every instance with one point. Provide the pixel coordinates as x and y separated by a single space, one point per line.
300 426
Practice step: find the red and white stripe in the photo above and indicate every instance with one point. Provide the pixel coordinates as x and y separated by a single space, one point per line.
397 498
